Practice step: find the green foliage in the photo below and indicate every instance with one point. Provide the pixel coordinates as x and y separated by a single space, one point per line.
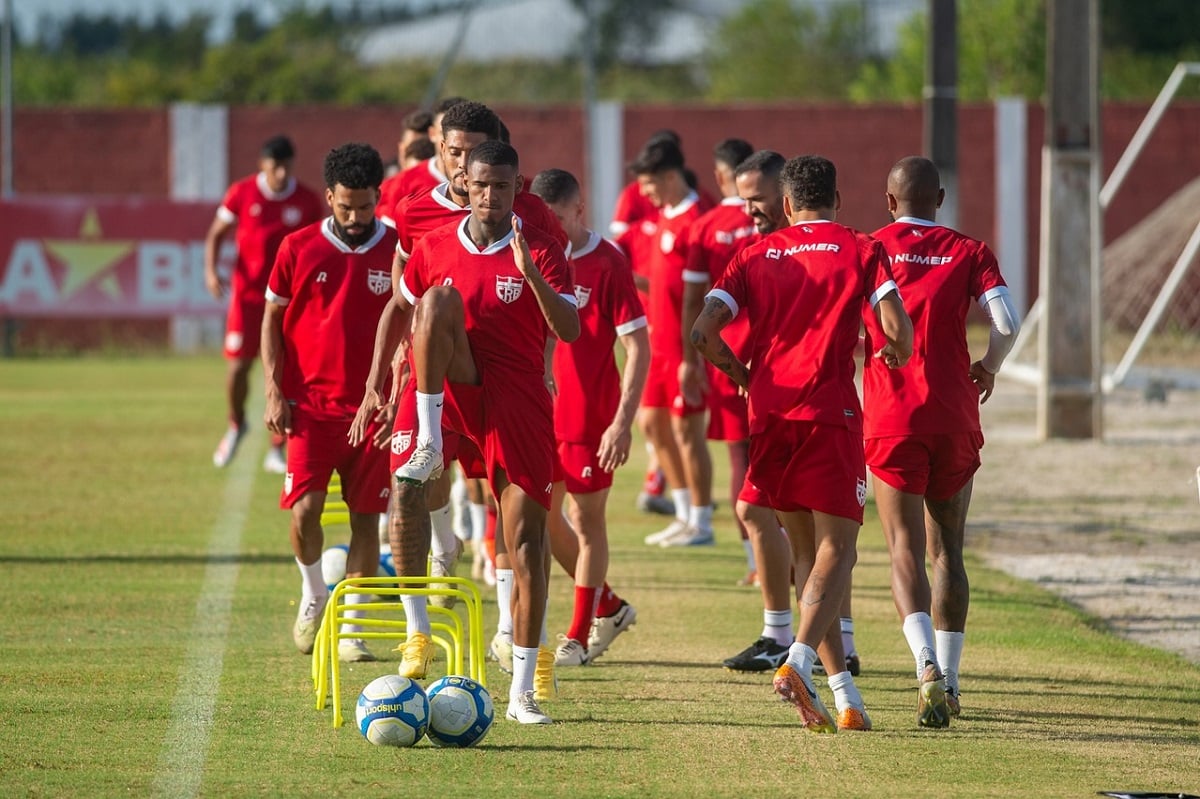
777 48
1001 53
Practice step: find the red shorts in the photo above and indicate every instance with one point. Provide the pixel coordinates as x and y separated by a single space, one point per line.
513 426
243 325
936 466
729 418
317 447
662 389
800 465
581 468
404 438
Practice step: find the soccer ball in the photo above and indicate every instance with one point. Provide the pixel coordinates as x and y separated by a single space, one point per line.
460 712
392 711
333 565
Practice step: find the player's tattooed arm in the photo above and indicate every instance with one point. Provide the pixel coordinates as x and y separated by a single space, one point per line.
706 338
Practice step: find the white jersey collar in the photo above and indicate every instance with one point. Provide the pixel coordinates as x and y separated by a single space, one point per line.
491 249
265 188
327 230
672 211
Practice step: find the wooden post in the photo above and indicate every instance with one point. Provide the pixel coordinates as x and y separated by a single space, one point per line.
1069 395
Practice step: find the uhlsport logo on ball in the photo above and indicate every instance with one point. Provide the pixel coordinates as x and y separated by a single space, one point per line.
392 711
460 712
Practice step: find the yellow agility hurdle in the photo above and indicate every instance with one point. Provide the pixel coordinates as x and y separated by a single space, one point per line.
461 644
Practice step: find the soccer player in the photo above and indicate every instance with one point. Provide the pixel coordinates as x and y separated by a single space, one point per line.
487 292
264 207
417 125
805 290
429 173
922 424
330 282
674 425
594 410
714 239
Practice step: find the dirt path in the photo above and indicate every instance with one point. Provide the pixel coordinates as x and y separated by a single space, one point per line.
1114 527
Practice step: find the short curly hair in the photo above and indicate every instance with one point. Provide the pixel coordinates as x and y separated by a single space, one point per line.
355 166
810 181
471 117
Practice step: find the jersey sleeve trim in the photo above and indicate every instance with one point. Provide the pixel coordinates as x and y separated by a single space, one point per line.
632 325
226 216
887 288
695 277
413 299
277 299
727 298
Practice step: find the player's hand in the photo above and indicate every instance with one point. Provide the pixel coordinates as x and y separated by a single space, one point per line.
693 383
368 411
894 360
212 281
384 417
614 447
520 248
278 414
984 381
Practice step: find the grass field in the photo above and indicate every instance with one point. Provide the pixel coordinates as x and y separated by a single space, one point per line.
145 647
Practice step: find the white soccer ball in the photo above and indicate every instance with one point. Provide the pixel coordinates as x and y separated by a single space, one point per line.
460 712
392 711
333 565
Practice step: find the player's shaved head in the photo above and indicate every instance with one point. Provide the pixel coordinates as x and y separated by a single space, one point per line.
914 180
915 187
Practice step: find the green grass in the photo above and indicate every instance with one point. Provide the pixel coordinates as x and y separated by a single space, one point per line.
110 503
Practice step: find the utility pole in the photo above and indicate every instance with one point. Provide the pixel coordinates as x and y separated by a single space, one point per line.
940 139
6 102
1069 394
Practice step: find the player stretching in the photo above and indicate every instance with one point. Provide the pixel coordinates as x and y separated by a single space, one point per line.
264 207
922 424
486 296
805 290
594 410
329 285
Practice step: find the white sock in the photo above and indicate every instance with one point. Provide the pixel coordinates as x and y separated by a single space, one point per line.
682 498
429 419
478 520
801 657
416 612
443 541
848 636
750 564
458 512
949 652
845 692
524 663
700 517
384 537
777 624
312 584
918 631
504 589
353 599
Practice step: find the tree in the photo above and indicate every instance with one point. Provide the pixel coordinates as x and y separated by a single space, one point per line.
780 49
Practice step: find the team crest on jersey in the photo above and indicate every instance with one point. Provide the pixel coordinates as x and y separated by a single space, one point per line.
860 492
806 228
378 281
667 241
233 341
291 215
582 295
401 440
508 289
255 209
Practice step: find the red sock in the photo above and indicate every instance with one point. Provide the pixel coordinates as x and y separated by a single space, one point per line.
585 611
654 482
608 603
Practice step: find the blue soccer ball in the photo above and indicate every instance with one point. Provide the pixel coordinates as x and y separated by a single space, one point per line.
392 711
460 712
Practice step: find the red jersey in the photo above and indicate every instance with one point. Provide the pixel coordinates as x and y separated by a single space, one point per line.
631 208
263 218
389 195
667 262
503 319
585 371
804 291
417 177
940 272
333 296
714 239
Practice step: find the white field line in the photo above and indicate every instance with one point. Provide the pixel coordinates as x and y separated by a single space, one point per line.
185 747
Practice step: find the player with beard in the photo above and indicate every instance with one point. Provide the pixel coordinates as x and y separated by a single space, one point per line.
487 293
805 290
330 282
264 208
